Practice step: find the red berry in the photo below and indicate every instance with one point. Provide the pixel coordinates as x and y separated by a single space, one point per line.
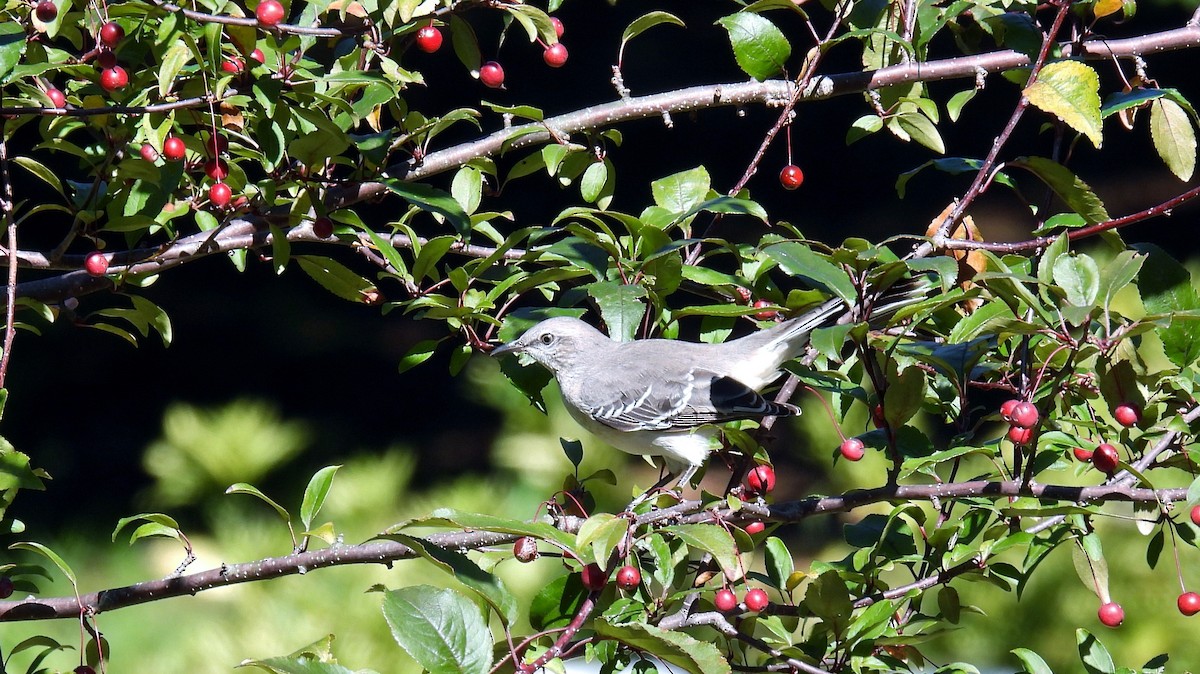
755 527
216 169
791 177
149 153
492 75
1189 603
1111 614
851 449
220 194
323 227
878 417
764 315
257 55
1105 458
84 669
525 549
743 294
173 148
269 13
756 600
111 34
628 577
95 263
114 78
558 26
429 39
58 98
1195 514
1025 415
234 66
760 479
1020 436
6 587
725 600
593 578
46 11
1127 414
1006 409
106 59
216 144
1082 455
555 55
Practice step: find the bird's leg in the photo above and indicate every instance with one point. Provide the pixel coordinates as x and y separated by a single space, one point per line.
676 490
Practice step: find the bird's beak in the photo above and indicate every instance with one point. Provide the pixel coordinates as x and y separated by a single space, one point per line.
505 349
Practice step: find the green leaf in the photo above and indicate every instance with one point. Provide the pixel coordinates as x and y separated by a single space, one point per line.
904 395
621 306
598 536
759 46
591 185
828 598
676 648
467 188
433 200
337 278
556 604
680 192
1093 654
156 518
1070 90
50 555
12 43
41 171
419 353
448 517
315 493
245 488
441 629
1076 193
711 539
778 562
1079 276
173 61
921 129
1173 136
642 24
1166 288
799 260
489 587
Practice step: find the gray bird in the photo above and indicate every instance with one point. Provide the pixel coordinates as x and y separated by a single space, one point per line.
663 397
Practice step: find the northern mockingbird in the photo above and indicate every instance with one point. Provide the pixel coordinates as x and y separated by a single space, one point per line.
662 397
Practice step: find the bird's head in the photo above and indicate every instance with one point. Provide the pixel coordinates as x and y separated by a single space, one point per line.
556 342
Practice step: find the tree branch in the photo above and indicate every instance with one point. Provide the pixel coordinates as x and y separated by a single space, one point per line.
386 552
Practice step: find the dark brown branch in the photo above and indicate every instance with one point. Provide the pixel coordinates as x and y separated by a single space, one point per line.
196 102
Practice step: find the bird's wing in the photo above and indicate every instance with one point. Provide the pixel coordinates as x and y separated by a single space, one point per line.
697 398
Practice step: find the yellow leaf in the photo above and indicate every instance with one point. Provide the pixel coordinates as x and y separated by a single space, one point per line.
1070 90
1103 8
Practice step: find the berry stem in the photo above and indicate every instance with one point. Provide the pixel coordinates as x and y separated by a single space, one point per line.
824 403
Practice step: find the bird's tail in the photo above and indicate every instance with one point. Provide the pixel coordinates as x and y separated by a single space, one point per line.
878 308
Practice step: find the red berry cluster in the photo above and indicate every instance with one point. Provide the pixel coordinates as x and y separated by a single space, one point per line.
429 40
1023 417
755 600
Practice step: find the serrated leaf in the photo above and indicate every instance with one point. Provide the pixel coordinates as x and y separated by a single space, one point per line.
711 539
676 648
760 48
157 518
1166 288
598 536
1079 276
1070 90
778 562
41 171
337 278
904 396
1076 193
315 493
488 586
441 629
680 192
433 200
919 128
799 260
591 185
1173 136
621 306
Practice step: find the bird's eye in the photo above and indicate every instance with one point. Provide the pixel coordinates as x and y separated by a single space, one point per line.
547 338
